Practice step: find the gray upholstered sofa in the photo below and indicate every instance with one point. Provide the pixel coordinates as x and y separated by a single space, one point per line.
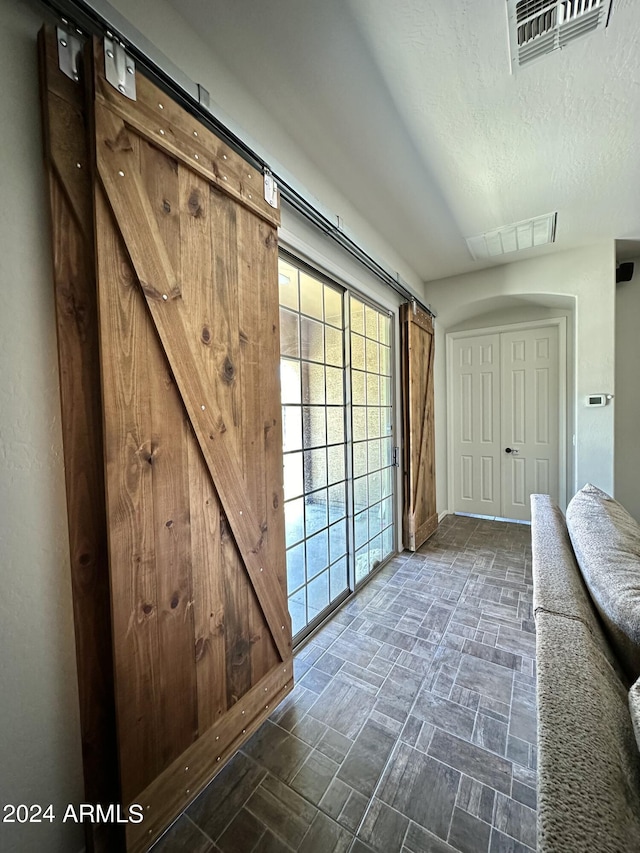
586 575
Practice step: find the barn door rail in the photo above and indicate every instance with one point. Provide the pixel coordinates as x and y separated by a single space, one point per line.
99 18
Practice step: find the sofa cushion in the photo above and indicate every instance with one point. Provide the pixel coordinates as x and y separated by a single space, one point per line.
588 763
558 586
606 542
634 707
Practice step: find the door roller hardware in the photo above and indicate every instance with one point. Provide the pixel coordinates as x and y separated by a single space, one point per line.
119 68
69 50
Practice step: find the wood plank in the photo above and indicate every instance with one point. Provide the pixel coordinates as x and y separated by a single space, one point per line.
170 485
70 190
168 795
129 448
163 122
258 266
116 161
196 264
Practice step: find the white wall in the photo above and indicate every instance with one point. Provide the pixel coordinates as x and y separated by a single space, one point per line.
627 446
39 737
584 277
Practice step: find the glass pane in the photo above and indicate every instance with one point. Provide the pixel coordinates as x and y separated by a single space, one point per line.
375 487
373 389
338 578
374 454
359 459
385 329
387 511
337 502
387 541
288 285
362 563
357 316
361 526
357 352
375 552
293 482
313 424
360 494
291 428
385 360
385 391
289 333
371 322
335 463
315 506
337 540
359 415
373 423
333 342
311 339
387 481
294 521
375 520
315 469
335 387
332 306
358 384
317 553
311 296
373 363
298 610
313 383
318 595
289 381
386 450
295 567
335 425
386 426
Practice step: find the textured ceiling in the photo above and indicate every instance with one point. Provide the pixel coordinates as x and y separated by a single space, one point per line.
410 108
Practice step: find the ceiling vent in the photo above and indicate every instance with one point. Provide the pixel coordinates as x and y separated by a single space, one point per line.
538 27
514 238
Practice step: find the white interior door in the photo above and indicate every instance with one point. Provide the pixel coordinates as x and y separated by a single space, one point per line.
477 448
530 426
505 421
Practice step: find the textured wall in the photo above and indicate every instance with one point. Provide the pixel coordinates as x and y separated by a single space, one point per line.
586 277
627 446
39 739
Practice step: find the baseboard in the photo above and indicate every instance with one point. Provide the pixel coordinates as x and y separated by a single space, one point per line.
442 514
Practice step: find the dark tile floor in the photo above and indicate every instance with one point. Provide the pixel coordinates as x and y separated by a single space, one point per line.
412 727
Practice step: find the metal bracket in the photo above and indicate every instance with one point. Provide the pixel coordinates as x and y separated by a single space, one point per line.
69 50
396 457
203 97
119 67
270 188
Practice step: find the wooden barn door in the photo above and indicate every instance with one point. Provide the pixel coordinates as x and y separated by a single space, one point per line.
420 518
188 327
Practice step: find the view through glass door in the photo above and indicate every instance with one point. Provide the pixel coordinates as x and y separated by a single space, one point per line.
338 480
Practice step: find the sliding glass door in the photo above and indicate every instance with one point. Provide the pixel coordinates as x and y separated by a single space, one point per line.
337 425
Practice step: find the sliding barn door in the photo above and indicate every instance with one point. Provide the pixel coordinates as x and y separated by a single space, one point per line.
187 258
185 444
67 162
420 518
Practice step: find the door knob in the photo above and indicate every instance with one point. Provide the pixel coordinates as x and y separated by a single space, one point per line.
508 450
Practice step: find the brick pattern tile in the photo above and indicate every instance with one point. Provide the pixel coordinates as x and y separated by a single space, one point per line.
412 726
